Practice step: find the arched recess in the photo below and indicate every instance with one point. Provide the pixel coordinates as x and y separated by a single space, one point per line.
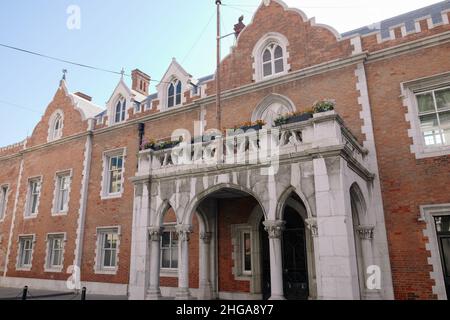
363 235
293 208
55 125
271 107
195 201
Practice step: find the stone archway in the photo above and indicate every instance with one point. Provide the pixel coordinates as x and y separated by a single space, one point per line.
271 107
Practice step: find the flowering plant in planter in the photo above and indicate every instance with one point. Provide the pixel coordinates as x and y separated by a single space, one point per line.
257 125
293 117
161 145
324 105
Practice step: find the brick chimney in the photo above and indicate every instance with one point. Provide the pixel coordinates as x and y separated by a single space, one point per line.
84 96
140 81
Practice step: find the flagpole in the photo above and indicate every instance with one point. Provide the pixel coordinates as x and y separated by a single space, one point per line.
218 89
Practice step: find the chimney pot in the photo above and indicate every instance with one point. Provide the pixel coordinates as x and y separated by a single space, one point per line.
83 95
140 81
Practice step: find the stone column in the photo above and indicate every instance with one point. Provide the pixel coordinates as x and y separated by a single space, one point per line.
205 292
184 232
365 234
154 292
275 230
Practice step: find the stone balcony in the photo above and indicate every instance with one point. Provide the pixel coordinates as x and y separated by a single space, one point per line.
324 134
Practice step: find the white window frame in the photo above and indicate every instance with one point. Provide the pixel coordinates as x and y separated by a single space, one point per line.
56 211
237 234
258 51
427 215
106 176
28 214
4 193
54 134
49 267
169 272
175 82
99 267
271 47
20 266
409 91
123 110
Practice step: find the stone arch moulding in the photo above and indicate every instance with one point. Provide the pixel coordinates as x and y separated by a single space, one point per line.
51 125
357 195
285 196
261 45
162 210
195 201
271 106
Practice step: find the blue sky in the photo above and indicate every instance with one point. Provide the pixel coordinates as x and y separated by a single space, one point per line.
130 34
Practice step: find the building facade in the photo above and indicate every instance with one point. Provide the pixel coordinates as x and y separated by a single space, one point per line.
151 197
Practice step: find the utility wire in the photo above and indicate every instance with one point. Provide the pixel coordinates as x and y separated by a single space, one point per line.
69 62
18 106
199 38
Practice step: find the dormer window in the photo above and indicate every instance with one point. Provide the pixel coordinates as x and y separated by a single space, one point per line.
55 126
174 94
273 60
120 110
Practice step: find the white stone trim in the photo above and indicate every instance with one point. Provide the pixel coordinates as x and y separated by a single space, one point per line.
428 212
409 90
58 174
237 231
19 251
11 228
47 252
268 101
98 269
51 126
83 200
104 194
27 216
5 201
357 45
100 288
445 16
267 39
174 71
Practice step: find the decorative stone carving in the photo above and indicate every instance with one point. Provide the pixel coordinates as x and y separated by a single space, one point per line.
184 232
155 233
311 224
365 232
206 237
274 228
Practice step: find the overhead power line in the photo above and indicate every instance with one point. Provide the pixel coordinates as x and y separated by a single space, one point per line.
18 106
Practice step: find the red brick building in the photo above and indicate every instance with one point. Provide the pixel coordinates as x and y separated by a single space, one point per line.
350 200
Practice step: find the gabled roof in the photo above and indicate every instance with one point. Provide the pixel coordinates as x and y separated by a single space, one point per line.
89 109
408 19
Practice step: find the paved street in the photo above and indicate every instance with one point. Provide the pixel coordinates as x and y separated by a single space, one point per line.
16 294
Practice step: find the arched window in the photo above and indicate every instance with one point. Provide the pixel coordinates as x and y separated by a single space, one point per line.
273 60
55 126
120 111
174 94
270 56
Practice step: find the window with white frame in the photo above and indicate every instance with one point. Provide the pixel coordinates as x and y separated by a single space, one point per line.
26 244
169 248
270 56
113 175
62 192
272 59
55 126
246 252
120 110
34 193
174 93
55 251
434 116
108 244
3 198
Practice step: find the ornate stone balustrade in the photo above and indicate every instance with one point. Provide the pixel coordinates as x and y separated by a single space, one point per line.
322 134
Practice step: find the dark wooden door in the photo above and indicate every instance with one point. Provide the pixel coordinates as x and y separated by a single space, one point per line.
443 233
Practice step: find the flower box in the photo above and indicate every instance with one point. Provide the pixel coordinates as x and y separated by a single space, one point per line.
299 118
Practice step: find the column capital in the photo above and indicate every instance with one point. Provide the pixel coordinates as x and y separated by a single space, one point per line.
274 228
365 232
311 224
206 237
155 233
184 231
